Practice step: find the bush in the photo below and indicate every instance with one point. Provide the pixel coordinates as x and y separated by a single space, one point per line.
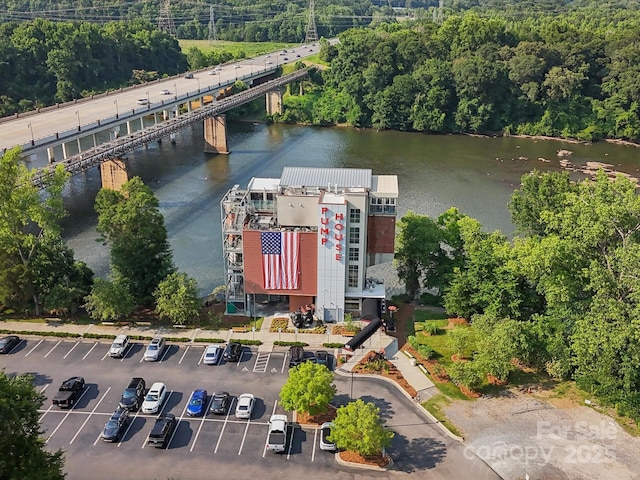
290 344
431 328
209 340
430 299
333 345
468 374
426 351
98 335
243 341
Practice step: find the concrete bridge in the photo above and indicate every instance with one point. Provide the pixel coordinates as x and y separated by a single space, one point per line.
107 154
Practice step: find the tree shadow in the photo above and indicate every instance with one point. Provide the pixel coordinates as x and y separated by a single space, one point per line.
417 454
386 411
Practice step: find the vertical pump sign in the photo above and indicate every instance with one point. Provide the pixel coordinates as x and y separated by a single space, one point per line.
337 236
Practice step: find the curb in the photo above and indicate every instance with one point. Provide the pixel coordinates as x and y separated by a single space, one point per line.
420 408
363 466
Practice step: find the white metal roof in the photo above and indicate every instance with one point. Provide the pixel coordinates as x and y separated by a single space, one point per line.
385 186
269 184
325 177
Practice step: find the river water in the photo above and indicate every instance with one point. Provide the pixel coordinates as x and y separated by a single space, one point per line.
477 175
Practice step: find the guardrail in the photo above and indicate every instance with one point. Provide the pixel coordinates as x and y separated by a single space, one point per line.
120 146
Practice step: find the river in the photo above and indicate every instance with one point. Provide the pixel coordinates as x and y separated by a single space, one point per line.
475 174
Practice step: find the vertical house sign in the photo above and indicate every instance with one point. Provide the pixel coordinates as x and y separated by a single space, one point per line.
332 232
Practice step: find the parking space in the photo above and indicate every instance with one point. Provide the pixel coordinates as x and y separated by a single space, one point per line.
232 444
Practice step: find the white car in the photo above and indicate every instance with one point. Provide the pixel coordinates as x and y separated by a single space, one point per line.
165 92
142 101
213 354
154 349
119 346
155 398
245 405
326 444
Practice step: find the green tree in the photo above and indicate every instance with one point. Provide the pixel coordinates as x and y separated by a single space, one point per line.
23 454
309 389
499 343
461 339
468 374
131 222
109 300
31 249
359 428
177 298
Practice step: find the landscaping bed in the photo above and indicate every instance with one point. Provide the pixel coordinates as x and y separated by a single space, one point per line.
284 325
382 461
371 363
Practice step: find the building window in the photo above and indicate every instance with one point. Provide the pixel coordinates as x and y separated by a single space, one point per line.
354 254
354 234
353 276
354 215
385 206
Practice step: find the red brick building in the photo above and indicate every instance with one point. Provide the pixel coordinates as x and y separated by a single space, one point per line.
309 237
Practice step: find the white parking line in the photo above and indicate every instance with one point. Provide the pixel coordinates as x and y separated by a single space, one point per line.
89 416
106 354
44 388
204 416
53 348
244 436
185 352
90 350
240 357
132 419
17 345
164 354
201 356
315 438
72 348
264 452
126 352
178 423
36 346
262 361
293 431
226 419
284 362
45 412
65 417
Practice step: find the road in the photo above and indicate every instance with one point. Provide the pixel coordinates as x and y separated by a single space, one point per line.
105 108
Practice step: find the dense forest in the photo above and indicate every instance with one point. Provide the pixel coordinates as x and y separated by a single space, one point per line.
46 62
573 75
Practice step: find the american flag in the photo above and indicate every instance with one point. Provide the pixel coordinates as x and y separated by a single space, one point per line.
280 252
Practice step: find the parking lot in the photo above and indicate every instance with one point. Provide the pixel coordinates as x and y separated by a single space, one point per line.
198 445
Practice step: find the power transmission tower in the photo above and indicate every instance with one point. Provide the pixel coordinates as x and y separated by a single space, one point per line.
438 15
312 32
165 21
213 34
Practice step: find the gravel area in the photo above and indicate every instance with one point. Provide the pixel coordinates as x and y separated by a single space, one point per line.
520 434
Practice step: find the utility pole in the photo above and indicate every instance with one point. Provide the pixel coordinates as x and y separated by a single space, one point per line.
312 32
165 21
213 34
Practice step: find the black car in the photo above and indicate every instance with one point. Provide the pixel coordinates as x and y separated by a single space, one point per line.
189 76
8 343
220 403
162 430
116 425
232 352
133 396
296 355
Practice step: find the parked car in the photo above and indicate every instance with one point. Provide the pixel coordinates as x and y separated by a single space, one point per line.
189 76
154 349
116 425
296 354
119 346
165 92
309 357
142 101
322 357
213 354
69 392
232 352
8 343
220 403
326 444
197 403
245 405
162 430
155 398
133 396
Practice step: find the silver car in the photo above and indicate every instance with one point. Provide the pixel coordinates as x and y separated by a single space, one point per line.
326 444
244 406
154 349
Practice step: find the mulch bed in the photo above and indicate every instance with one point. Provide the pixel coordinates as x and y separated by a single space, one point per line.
391 372
342 329
317 420
377 460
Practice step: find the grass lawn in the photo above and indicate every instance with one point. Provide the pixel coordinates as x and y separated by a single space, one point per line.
434 406
237 49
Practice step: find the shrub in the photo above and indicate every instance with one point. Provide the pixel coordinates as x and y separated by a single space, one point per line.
333 345
243 341
290 344
98 335
431 328
468 374
209 340
426 351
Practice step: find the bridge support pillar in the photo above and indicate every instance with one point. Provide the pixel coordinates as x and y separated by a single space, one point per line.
274 102
215 134
114 174
51 155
